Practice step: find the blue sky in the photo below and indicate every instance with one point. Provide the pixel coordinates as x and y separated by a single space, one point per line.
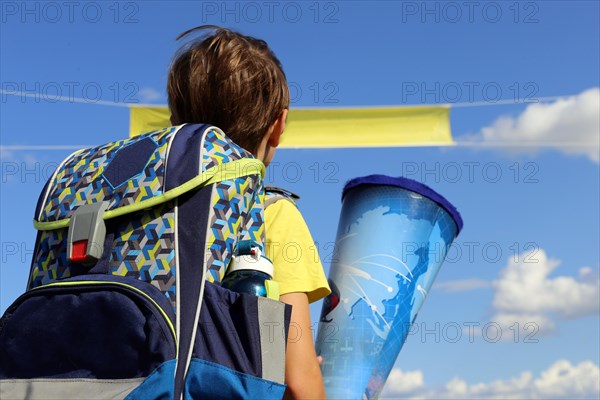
525 207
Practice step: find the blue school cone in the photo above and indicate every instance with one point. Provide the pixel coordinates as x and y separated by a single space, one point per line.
392 239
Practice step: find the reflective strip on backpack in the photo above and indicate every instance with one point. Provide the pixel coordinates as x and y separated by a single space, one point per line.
271 320
67 389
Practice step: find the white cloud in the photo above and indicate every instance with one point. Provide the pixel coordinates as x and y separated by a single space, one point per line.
511 388
525 292
149 95
529 325
585 272
404 382
571 125
569 381
561 380
462 285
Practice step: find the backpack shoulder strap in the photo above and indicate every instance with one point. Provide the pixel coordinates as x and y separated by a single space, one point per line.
275 194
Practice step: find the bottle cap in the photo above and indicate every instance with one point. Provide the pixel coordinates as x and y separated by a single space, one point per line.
253 261
262 264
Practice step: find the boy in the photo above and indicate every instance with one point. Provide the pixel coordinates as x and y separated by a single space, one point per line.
235 82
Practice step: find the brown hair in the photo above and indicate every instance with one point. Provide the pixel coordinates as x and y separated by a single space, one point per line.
229 80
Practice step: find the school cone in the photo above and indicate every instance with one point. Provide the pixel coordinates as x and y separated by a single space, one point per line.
392 239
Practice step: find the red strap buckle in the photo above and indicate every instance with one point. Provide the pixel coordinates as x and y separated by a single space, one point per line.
78 251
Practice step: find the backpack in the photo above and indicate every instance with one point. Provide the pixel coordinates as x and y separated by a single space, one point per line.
123 298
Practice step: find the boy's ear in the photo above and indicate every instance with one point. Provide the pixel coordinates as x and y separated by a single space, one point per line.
277 129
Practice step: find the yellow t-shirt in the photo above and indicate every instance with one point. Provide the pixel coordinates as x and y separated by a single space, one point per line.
291 248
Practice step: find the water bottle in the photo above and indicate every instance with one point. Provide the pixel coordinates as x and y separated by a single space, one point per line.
248 270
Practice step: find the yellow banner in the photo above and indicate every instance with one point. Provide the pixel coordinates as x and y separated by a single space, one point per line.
340 127
146 119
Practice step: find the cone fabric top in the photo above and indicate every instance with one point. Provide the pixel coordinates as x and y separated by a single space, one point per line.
338 127
407 184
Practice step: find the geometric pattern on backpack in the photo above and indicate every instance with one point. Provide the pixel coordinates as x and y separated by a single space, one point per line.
144 249
230 221
254 229
50 258
220 150
77 182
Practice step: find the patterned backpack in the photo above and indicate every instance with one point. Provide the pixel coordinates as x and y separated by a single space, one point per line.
123 298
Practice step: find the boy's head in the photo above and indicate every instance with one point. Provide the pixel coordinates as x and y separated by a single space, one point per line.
232 81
